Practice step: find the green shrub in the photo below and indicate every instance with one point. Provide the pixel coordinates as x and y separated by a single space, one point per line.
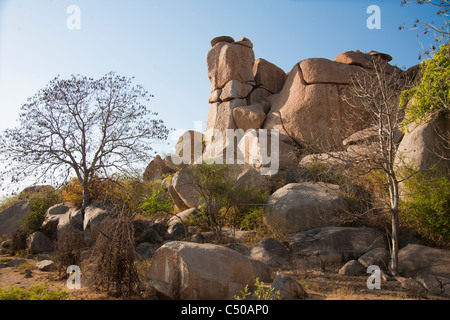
252 220
433 91
158 202
39 204
226 201
35 292
426 205
260 292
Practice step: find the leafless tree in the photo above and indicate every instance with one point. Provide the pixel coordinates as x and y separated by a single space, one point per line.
81 126
376 93
440 31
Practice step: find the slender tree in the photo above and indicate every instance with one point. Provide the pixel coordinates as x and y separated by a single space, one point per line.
81 126
376 93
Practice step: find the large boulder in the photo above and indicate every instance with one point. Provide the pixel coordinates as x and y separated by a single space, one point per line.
425 145
320 70
59 217
303 206
183 185
357 58
235 90
94 215
11 217
260 95
313 114
268 76
249 117
38 242
177 201
379 257
335 244
230 61
415 259
186 270
157 169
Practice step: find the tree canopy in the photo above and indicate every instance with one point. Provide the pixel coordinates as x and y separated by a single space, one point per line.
81 126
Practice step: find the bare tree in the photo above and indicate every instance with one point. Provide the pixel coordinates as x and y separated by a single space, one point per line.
81 126
441 31
376 93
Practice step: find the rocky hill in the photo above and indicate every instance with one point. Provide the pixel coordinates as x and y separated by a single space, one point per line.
255 101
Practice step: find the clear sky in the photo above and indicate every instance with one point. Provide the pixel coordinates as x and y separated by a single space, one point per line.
163 43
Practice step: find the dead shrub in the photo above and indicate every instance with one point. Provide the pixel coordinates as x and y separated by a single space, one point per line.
113 257
68 249
19 241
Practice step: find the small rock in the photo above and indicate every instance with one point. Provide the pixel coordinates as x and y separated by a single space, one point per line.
352 268
245 42
216 40
45 265
289 288
150 235
6 244
177 230
198 238
378 256
271 252
145 250
239 247
28 273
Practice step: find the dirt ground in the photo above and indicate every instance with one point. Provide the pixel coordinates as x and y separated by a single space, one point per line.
319 284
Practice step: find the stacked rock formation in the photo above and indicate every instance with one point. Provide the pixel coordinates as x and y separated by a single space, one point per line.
240 85
305 105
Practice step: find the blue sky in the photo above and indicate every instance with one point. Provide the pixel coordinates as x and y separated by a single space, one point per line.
164 43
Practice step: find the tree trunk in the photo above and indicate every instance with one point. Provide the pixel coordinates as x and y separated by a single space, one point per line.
86 198
394 257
